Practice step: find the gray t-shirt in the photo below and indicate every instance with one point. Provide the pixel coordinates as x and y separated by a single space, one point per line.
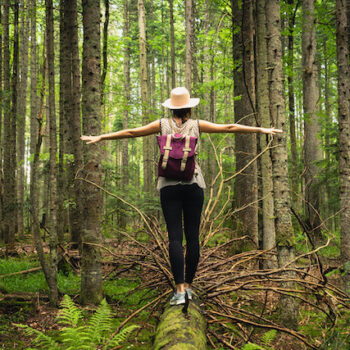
190 128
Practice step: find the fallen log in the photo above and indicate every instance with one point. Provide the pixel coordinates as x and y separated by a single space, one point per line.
178 330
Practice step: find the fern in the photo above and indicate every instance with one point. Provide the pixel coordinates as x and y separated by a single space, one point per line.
69 314
41 339
269 336
120 337
91 336
100 323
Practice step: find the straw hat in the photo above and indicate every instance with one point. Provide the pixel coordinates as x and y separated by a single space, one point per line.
180 98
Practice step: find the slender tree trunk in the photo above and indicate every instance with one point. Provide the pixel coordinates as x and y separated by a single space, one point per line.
172 43
147 146
104 52
285 240
21 114
10 129
33 102
344 136
291 103
268 229
53 150
188 70
312 143
77 221
245 145
126 70
91 275
1 132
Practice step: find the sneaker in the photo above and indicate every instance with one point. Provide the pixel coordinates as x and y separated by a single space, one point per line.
189 293
178 298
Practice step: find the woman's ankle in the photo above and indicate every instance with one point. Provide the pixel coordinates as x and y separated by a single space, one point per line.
180 288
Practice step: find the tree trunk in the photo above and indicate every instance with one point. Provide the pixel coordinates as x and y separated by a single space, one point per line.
172 43
245 144
33 102
285 240
91 275
1 132
312 143
188 69
53 150
147 145
126 70
344 136
176 331
268 225
21 114
291 104
10 129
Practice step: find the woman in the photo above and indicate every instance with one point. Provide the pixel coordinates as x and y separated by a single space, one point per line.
181 199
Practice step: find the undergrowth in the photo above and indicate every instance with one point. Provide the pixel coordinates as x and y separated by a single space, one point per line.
95 333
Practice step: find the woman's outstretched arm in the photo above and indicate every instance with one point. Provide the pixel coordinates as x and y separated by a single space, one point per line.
149 129
234 128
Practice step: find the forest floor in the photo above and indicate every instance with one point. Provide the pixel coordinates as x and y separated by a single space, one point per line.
129 288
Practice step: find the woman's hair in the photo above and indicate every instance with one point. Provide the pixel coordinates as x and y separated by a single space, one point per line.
183 113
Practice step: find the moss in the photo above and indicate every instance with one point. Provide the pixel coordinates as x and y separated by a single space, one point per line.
179 331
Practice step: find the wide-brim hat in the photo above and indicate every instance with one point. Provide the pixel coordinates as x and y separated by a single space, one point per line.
180 98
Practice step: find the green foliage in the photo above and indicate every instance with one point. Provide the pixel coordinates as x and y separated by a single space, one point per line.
96 333
252 346
269 336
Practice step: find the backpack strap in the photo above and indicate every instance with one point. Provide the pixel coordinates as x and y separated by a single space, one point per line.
186 150
167 148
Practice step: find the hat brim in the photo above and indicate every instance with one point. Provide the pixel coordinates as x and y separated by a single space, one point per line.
192 103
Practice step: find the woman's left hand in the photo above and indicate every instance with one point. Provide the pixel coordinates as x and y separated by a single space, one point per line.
271 131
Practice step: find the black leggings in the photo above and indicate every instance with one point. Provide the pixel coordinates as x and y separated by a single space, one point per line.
175 200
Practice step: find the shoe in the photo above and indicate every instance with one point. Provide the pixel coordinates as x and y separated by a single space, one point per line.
178 298
189 293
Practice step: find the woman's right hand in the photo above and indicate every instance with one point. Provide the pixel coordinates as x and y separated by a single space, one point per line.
91 139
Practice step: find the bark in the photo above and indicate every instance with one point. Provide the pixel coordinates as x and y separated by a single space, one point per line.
91 276
285 240
104 51
172 43
245 144
312 143
1 132
21 114
291 104
344 136
145 100
10 103
74 121
268 225
53 150
188 60
178 331
33 100
126 71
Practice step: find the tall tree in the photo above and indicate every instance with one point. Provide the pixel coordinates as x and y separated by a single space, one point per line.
188 60
91 276
53 151
268 225
172 43
344 133
10 210
245 145
285 241
21 112
145 100
291 99
126 72
33 100
312 141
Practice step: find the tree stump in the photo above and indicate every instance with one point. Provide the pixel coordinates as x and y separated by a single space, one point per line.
181 331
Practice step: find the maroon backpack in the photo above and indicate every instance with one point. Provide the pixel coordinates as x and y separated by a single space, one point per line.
177 156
